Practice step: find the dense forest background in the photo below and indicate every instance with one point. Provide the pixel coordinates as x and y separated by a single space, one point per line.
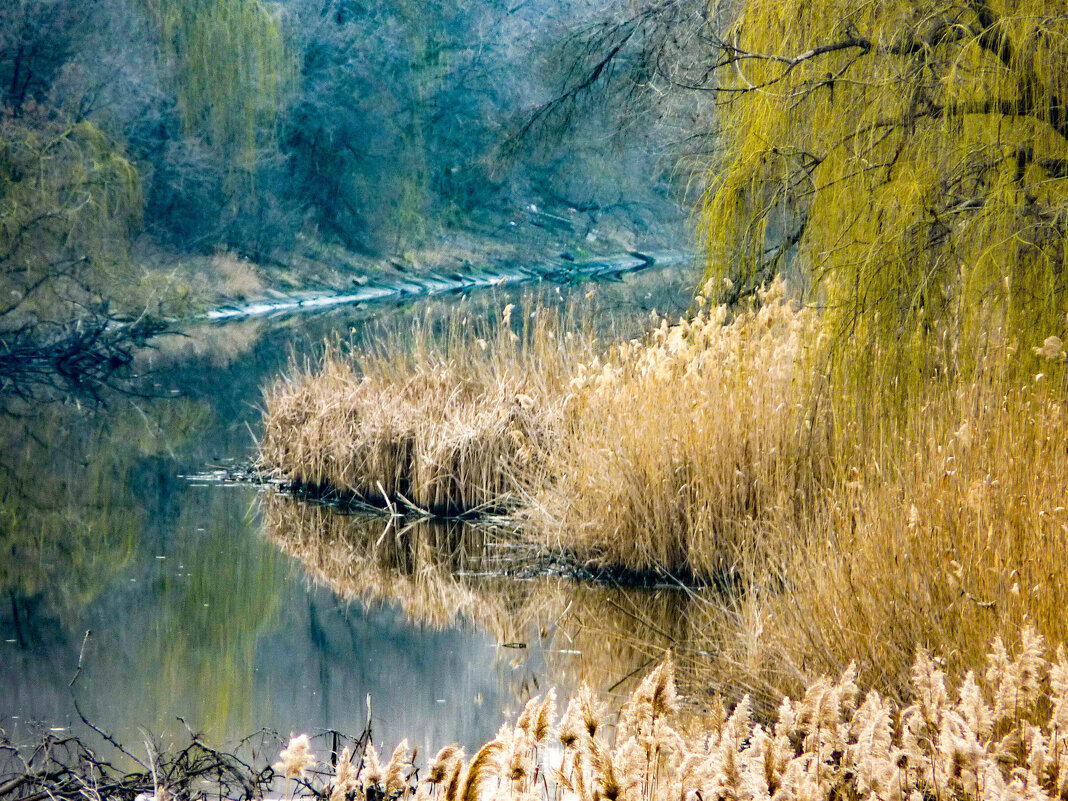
158 155
247 125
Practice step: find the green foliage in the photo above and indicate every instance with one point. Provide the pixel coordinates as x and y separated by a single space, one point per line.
230 68
68 201
908 159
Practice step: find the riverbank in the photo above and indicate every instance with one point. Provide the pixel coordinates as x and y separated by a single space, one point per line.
716 445
525 243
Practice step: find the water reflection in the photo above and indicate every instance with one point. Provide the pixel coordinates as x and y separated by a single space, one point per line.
559 630
194 614
71 522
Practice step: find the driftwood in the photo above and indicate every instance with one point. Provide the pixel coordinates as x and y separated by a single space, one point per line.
43 360
95 766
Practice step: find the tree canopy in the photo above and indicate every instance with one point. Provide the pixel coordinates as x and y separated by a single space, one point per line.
907 161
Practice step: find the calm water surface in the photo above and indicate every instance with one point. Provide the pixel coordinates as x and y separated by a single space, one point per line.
235 609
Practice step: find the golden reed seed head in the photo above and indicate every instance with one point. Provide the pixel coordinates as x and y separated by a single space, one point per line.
395 779
295 758
441 765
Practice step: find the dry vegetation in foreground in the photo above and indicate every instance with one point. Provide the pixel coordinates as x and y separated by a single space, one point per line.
855 526
946 527
1001 736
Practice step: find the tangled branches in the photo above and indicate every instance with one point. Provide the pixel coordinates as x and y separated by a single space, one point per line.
67 768
79 358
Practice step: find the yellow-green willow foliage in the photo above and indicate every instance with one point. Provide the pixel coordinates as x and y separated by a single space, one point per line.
911 156
230 67
68 200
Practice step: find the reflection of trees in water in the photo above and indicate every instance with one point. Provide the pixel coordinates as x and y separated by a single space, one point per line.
67 521
215 596
73 511
439 573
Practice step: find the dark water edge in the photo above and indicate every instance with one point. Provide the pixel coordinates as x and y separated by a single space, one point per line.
195 612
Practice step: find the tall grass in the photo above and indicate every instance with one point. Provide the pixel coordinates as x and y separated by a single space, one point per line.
449 423
857 518
679 448
999 734
945 525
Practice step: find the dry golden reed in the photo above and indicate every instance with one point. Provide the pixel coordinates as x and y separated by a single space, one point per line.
444 423
677 449
999 735
666 453
945 526
855 519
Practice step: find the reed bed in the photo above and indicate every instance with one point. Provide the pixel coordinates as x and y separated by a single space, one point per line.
666 453
680 447
853 518
998 734
946 527
447 424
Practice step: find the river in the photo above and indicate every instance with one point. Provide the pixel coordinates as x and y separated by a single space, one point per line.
234 609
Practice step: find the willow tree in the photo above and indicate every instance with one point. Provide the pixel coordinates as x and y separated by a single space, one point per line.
908 161
69 199
230 69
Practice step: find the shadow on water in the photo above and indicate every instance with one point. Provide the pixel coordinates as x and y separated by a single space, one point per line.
194 614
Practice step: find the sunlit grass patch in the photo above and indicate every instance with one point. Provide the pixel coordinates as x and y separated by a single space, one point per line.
851 517
946 526
679 447
997 734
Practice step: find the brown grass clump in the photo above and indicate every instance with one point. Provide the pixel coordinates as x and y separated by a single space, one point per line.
946 527
440 442
679 448
920 504
239 276
1001 734
448 431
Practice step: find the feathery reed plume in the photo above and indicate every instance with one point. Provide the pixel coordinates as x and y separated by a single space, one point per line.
590 709
371 774
345 776
395 779
543 719
526 717
516 764
443 764
295 758
608 781
571 725
484 766
664 696
1016 682
455 776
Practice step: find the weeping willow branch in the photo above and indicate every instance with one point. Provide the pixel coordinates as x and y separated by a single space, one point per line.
909 159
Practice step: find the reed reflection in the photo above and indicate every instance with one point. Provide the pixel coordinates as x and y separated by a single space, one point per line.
551 625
